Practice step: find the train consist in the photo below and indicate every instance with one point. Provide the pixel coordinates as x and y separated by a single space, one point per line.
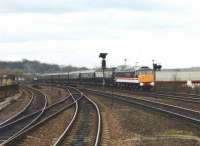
136 79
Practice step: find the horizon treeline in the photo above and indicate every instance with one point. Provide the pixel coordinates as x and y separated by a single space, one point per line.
28 66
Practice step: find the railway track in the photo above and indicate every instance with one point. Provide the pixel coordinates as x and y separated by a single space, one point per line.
174 96
33 105
86 117
169 96
193 98
183 97
7 134
84 128
48 113
183 113
176 99
186 95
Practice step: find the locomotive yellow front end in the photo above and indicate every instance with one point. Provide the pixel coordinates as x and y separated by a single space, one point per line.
146 77
146 80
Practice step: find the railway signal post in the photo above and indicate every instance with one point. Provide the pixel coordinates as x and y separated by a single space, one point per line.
156 67
103 65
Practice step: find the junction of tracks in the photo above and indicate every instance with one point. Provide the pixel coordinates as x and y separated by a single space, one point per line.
57 115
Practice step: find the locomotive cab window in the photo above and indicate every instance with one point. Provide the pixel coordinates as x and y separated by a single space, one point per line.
125 74
146 72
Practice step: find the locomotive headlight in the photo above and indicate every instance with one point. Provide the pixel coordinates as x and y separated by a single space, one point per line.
141 84
152 83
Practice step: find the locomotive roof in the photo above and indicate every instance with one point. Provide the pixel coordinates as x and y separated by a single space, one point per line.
66 73
142 68
107 69
98 70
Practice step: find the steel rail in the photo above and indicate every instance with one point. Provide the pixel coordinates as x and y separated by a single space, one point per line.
44 120
98 134
29 124
162 95
149 101
19 113
97 141
187 95
193 98
171 109
36 112
167 96
62 136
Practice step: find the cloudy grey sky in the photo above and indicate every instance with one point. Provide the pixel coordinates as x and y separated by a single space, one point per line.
76 31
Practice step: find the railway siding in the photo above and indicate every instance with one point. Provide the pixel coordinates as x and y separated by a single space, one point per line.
188 101
129 125
85 126
49 114
15 107
186 114
83 131
11 133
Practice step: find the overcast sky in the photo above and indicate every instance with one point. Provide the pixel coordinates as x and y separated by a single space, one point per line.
76 31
